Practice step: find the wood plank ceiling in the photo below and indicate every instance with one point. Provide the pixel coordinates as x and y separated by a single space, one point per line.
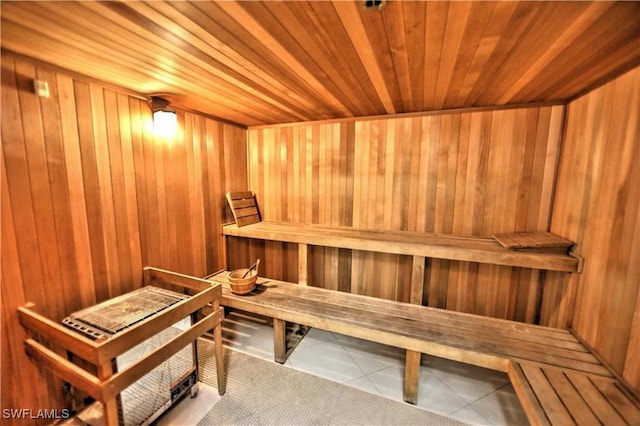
256 63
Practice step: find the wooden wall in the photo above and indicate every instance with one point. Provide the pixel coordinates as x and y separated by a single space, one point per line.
90 196
469 172
598 206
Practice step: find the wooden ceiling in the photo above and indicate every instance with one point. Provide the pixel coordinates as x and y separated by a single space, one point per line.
258 63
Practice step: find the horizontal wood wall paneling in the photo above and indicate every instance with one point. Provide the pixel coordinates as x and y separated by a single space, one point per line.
474 173
597 204
90 196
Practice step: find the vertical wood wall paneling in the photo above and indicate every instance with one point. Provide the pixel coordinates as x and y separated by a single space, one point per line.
476 172
38 182
90 196
16 212
597 204
75 182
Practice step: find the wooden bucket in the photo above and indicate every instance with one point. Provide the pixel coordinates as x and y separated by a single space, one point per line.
241 285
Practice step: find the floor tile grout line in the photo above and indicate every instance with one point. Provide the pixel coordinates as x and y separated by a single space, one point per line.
349 355
370 382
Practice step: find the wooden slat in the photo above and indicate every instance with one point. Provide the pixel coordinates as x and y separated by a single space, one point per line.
151 274
244 212
576 406
628 408
240 195
524 240
595 399
243 202
527 395
81 346
64 368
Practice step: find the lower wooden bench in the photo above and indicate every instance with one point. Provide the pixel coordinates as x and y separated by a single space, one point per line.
486 342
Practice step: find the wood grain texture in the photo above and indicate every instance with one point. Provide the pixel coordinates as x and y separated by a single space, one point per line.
597 204
90 196
265 62
470 173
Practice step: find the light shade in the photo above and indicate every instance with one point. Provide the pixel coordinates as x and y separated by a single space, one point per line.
165 123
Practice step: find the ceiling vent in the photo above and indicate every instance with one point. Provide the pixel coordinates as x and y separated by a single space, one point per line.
374 4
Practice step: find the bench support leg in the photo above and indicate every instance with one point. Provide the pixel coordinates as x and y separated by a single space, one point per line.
412 358
280 340
110 406
302 263
219 350
411 376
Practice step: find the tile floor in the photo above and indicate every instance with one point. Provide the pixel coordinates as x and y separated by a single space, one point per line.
461 392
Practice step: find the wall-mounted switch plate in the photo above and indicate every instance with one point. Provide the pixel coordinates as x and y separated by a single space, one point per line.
41 88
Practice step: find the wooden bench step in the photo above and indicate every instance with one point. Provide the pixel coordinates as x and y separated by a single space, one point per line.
552 396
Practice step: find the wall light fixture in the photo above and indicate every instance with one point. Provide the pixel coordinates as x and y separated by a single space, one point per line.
165 120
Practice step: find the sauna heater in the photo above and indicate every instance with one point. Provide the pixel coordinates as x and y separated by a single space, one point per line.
146 399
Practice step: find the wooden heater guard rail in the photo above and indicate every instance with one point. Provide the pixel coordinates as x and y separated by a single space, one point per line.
107 384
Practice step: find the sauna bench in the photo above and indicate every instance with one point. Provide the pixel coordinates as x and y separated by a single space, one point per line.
536 358
417 244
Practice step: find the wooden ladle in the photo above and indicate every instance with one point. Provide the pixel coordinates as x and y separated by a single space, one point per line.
251 268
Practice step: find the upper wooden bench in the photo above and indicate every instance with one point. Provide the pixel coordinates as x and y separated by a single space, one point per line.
420 244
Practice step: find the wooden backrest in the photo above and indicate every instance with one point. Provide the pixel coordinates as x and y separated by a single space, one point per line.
244 207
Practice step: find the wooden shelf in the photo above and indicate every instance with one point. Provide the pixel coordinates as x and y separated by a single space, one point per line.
437 246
